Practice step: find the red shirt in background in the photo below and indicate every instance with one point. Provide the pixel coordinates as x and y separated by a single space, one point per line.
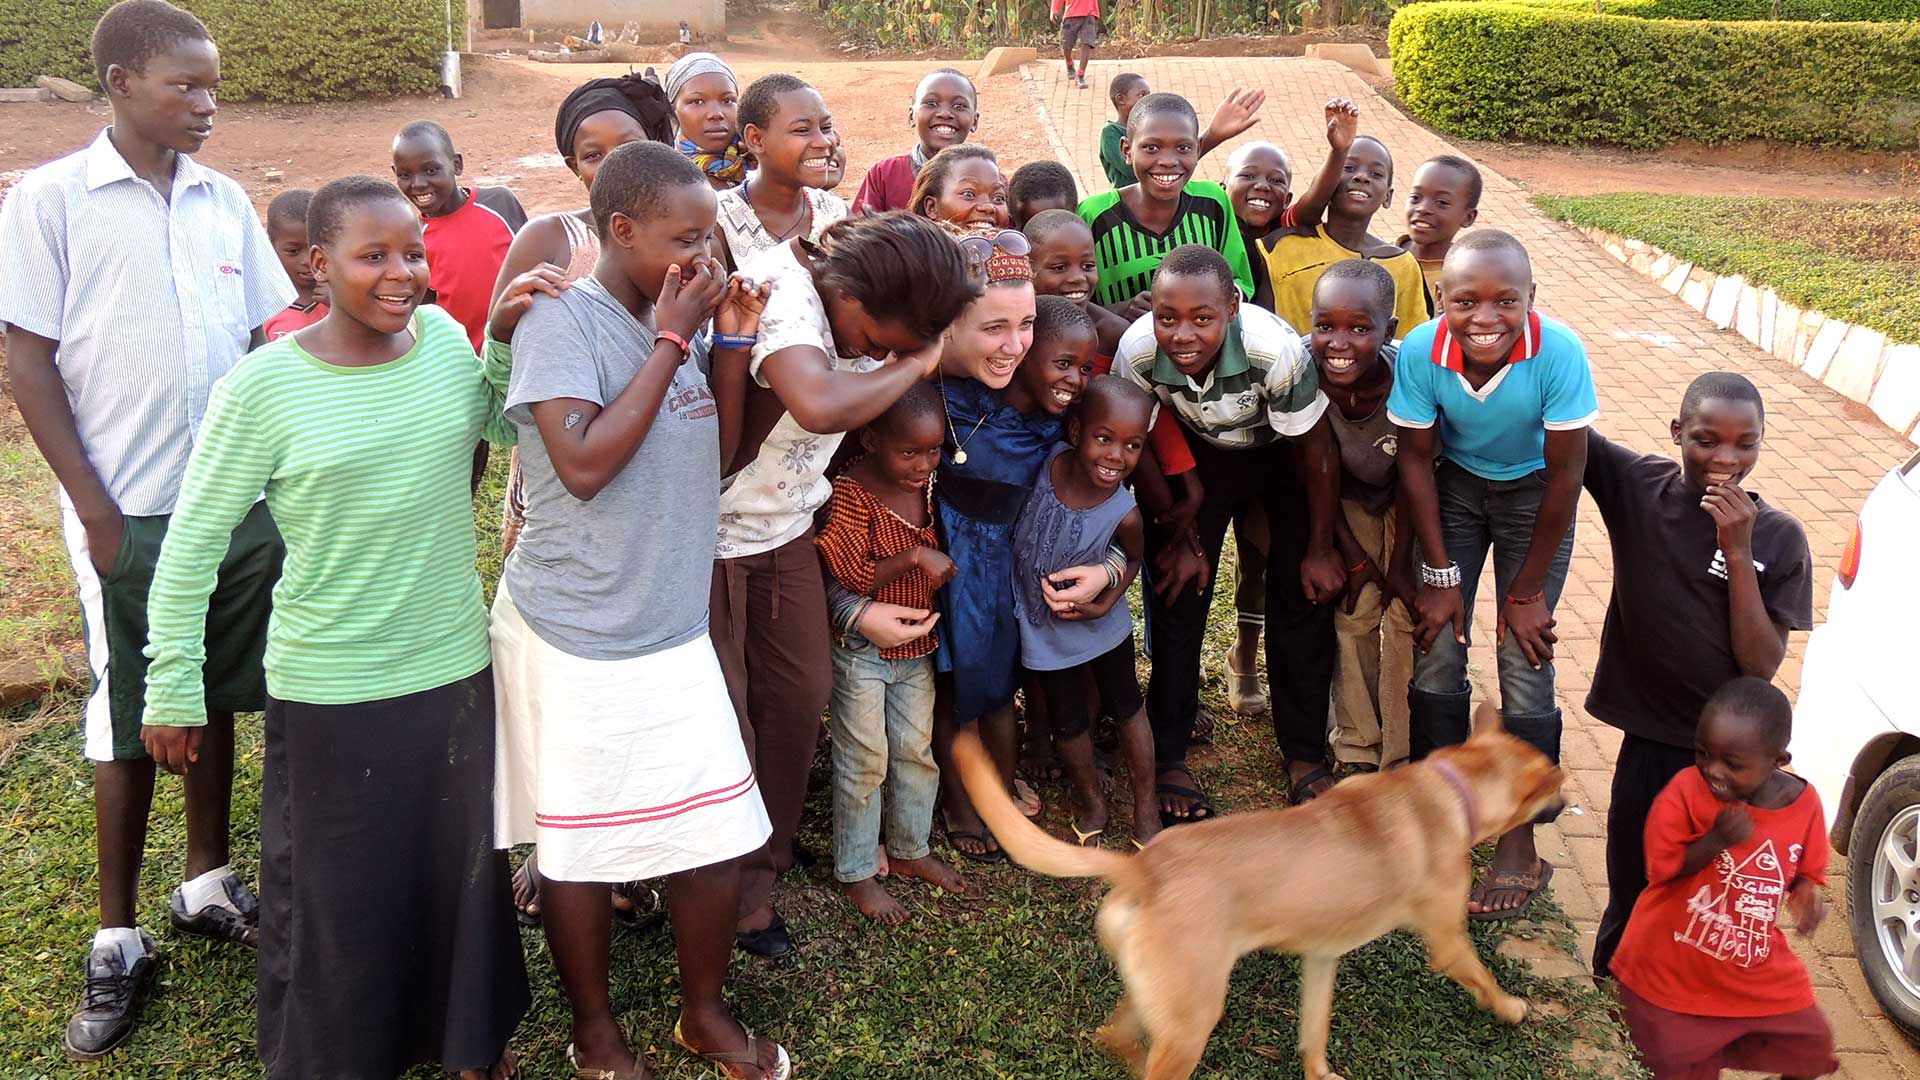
293 319
887 186
464 253
1711 944
1076 9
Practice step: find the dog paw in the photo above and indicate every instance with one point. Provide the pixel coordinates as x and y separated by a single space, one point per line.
1511 1009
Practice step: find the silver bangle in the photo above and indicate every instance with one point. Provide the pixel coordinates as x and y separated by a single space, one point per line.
1440 577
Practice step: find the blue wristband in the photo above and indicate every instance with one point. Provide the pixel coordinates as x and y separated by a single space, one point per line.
733 341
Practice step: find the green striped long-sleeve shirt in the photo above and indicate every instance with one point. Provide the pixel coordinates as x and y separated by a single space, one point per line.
366 471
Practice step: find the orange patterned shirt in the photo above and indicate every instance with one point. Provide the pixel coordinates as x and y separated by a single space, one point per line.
860 533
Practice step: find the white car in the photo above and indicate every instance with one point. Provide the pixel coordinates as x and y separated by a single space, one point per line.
1856 736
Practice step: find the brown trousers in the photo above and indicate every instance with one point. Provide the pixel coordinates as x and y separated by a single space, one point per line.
1373 659
769 626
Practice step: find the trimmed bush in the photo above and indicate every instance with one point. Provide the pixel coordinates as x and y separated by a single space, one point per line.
1491 69
270 50
1748 10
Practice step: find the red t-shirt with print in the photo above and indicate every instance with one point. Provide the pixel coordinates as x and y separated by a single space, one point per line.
1710 944
464 253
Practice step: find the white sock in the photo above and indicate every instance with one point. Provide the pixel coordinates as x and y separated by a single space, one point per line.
124 938
205 891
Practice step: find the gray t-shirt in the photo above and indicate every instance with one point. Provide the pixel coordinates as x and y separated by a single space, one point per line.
627 573
1369 448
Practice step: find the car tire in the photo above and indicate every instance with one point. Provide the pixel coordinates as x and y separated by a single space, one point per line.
1883 905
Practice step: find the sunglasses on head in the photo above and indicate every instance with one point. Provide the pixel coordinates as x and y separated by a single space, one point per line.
980 247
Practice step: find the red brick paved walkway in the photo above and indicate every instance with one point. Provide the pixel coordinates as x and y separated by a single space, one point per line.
1823 452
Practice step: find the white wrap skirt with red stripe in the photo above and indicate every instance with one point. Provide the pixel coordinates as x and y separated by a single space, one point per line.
620 770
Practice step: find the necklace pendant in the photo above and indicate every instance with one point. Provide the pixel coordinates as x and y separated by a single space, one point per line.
959 457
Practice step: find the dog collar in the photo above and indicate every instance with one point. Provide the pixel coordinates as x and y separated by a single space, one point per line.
1446 769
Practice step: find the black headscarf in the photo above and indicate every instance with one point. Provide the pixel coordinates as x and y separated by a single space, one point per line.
639 96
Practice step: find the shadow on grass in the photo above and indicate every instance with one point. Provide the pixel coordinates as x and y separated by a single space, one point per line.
1007 982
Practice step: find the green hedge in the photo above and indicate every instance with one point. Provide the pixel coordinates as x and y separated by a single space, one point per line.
270 50
1489 69
1748 10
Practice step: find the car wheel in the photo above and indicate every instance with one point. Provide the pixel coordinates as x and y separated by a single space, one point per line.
1883 891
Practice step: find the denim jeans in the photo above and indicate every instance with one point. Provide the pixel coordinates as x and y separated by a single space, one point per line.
881 715
1477 514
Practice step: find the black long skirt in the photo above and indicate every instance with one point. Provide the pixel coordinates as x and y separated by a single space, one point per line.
387 936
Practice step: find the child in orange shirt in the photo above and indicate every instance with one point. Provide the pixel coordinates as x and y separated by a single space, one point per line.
1707 981
879 541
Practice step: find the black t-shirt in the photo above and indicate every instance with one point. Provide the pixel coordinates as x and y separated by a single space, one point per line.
1668 643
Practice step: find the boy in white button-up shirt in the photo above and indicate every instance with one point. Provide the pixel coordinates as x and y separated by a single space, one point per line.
136 277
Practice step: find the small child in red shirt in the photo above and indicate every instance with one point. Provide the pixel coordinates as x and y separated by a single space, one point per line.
1706 979
287 231
879 541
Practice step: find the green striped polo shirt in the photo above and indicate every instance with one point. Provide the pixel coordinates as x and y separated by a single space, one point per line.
1128 253
1262 385
366 471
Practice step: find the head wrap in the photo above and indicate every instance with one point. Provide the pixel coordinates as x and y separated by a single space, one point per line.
692 66
729 166
639 96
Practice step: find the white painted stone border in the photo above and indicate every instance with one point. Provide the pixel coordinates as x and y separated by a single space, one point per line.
1859 363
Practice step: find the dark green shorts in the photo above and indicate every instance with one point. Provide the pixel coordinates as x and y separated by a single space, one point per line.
237 616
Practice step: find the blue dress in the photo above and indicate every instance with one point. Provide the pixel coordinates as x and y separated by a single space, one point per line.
976 504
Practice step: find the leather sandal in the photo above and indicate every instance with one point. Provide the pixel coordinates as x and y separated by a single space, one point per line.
723 1060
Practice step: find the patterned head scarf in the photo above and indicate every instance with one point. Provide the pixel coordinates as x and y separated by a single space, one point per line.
729 166
997 255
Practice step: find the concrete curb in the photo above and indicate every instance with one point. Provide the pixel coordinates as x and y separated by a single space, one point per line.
1859 363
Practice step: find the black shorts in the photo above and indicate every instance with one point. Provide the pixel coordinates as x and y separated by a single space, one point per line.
1079 30
1073 694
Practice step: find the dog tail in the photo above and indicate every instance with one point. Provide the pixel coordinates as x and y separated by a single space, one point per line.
1029 844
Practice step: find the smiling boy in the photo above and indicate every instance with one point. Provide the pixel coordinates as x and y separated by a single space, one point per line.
946 111
1707 580
1508 394
135 278
468 229
1136 226
1298 255
1444 200
1244 389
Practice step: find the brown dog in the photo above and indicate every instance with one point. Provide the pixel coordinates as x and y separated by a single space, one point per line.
1376 853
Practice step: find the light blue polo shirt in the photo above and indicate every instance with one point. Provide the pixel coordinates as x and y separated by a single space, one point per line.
1499 431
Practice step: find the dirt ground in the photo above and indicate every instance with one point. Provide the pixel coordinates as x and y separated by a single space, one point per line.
503 126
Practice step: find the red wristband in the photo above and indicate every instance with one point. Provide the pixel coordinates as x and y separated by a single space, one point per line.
676 339
1357 567
1534 599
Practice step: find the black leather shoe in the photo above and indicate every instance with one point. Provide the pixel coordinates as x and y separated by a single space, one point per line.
772 943
239 924
108 1003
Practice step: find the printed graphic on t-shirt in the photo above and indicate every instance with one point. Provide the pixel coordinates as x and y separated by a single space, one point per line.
1736 923
690 402
1388 444
1718 567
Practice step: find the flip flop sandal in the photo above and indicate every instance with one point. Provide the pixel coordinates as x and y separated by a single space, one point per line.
1022 791
600 1074
720 1059
1202 732
991 856
1512 879
646 905
1202 809
1081 836
1300 792
526 872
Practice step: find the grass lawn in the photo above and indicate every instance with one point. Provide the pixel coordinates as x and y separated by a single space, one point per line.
1006 982
1854 261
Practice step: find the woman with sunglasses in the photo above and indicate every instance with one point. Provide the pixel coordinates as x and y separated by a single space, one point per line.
998 437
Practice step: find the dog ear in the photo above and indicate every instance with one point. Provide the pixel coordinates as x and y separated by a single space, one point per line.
1486 719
